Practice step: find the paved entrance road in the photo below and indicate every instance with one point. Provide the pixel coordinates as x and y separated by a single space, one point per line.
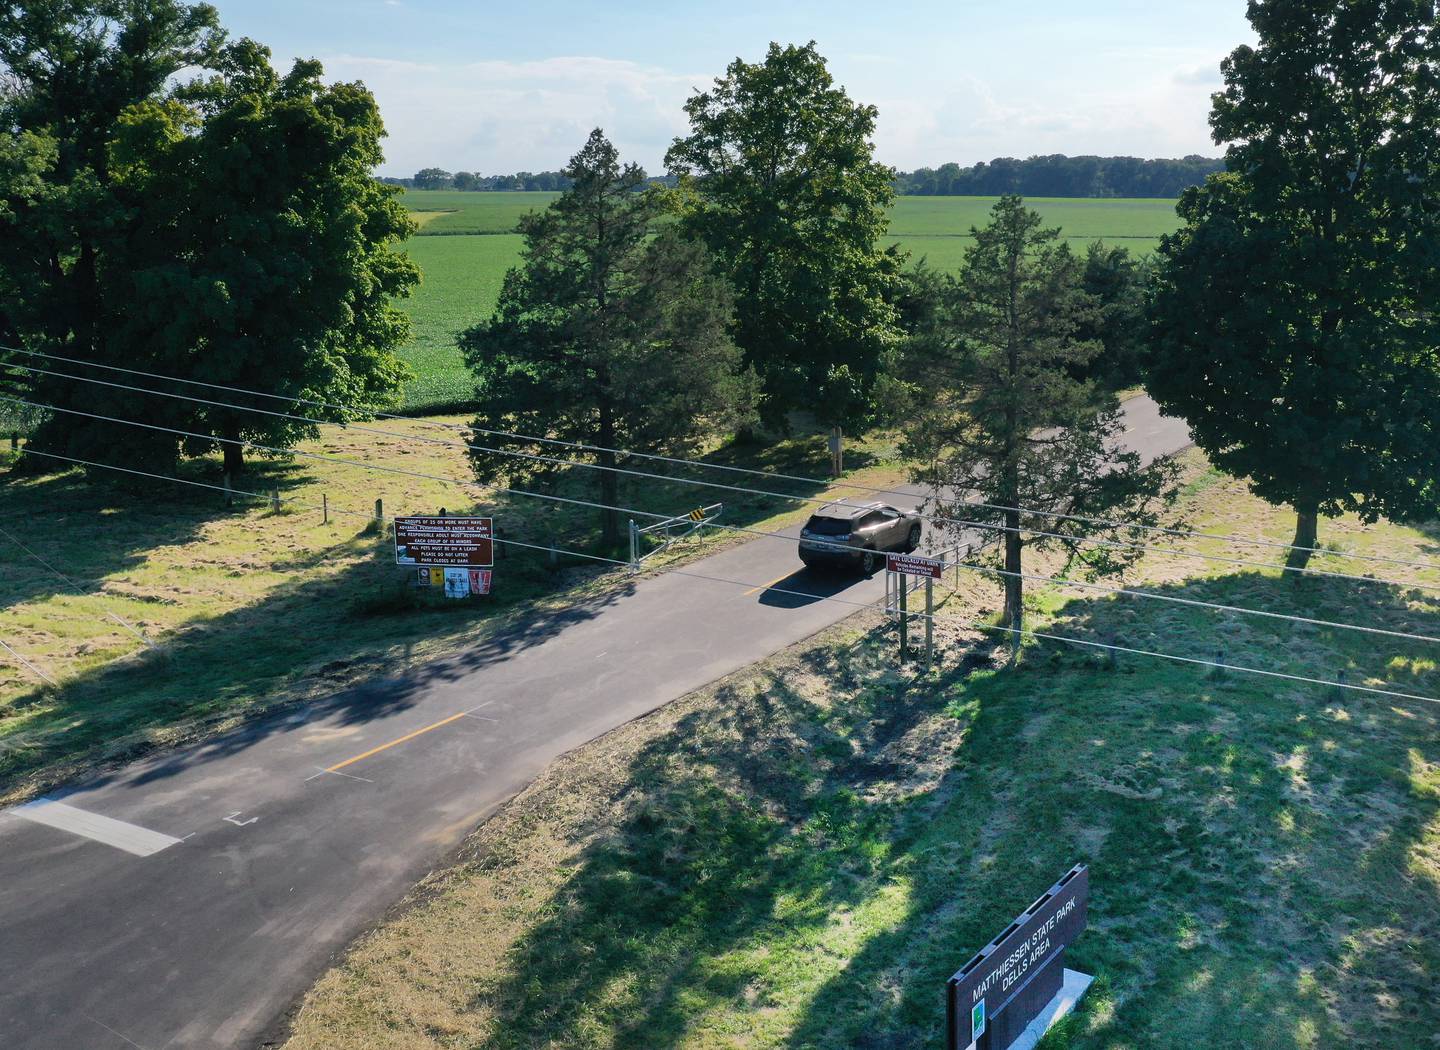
186 901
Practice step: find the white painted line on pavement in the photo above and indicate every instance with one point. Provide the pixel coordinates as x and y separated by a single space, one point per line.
131 838
117 1035
347 776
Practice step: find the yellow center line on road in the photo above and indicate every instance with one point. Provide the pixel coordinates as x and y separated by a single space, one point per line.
393 743
767 586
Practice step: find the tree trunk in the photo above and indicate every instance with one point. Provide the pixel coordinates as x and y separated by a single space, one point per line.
234 453
837 451
1014 584
609 482
1307 526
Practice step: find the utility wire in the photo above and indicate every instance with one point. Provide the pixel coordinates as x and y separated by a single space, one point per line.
700 464
1195 602
779 535
936 519
974 624
78 589
288 499
331 459
26 663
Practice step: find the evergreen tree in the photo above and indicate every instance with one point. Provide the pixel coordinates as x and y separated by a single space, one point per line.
605 334
1004 419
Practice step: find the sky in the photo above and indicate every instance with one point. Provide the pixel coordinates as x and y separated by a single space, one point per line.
495 88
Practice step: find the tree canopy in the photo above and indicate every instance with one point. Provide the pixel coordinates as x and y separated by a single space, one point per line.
1292 323
223 228
1056 175
786 193
607 333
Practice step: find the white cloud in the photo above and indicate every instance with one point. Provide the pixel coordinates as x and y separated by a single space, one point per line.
502 116
971 122
1208 75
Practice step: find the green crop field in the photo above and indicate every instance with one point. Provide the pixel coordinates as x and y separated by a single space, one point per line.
449 212
466 242
460 284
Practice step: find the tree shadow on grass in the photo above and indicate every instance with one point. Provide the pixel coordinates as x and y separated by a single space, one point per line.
315 637
1258 872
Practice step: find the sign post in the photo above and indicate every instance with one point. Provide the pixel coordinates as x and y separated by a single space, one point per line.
1016 987
929 624
904 623
903 565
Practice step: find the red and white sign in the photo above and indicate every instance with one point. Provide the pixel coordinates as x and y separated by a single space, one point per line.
910 565
480 581
466 543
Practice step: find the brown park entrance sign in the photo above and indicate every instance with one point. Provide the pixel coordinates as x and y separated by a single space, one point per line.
911 565
1017 985
466 543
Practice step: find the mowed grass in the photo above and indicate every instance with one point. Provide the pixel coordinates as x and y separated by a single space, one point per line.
250 608
801 855
466 243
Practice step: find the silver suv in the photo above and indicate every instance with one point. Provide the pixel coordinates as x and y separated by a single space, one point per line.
857 535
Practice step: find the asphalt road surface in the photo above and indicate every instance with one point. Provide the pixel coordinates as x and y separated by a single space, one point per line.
189 899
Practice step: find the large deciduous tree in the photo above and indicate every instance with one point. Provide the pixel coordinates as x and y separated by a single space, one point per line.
790 200
1004 419
224 228
1293 322
608 333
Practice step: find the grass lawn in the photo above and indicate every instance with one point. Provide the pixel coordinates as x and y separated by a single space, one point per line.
252 608
466 242
800 855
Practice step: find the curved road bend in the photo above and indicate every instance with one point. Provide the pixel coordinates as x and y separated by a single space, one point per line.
188 899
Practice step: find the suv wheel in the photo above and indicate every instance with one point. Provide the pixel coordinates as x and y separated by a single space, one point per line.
869 562
912 543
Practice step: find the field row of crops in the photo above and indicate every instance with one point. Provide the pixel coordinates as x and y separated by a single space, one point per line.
467 241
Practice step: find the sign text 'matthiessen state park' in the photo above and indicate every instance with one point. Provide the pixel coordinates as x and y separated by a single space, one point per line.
1001 970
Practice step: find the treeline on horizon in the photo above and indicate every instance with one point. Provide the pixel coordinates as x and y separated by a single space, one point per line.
1053 175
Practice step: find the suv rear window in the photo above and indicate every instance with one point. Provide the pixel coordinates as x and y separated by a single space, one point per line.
828 526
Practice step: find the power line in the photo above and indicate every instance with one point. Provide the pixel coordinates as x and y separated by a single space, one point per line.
1195 602
759 532
974 624
331 459
286 499
937 519
776 475
78 589
26 663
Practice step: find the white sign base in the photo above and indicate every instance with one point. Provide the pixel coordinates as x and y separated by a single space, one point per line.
1064 1001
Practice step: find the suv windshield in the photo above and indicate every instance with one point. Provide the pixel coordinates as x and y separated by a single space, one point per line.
828 526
